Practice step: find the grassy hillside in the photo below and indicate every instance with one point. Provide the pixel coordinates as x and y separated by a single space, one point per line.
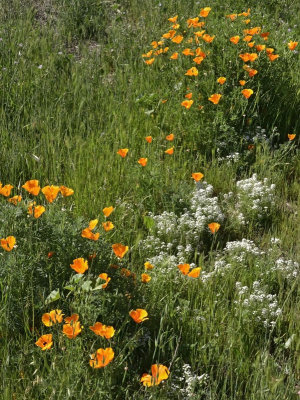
81 80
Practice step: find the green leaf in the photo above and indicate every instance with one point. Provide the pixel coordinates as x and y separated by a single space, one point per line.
53 296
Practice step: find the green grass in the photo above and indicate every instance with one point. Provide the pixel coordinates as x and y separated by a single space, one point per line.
73 90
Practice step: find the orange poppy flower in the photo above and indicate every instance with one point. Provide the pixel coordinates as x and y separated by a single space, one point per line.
207 38
170 137
250 71
154 44
50 192
195 272
45 342
177 39
232 17
248 57
73 318
122 152
187 103
5 190
200 53
50 254
32 186
72 330
170 151
107 211
168 35
103 330
8 243
247 38
192 72
108 226
221 80
148 266
197 176
139 315
246 21
291 136
185 268
260 47
204 12
102 358
242 82
188 96
188 52
79 265
159 373
15 199
147 55
214 227
143 161
37 211
252 31
65 191
53 317
199 34
269 50
198 60
234 39
150 61
292 45
251 44
265 35
145 278
173 19
247 93
174 56
175 26
273 57
88 234
120 249
149 139
106 278
215 98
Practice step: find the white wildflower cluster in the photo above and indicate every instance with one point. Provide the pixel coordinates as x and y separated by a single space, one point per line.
233 157
192 383
176 238
255 198
257 305
288 269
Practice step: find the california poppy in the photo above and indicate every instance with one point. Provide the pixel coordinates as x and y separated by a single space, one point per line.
207 38
72 329
242 82
122 152
192 72
102 330
5 190
106 278
36 211
221 80
269 50
188 96
148 265
45 342
15 199
65 191
214 227
188 52
252 31
291 136
260 47
79 265
185 270
247 93
139 315
200 53
108 226
107 211
150 61
248 57
148 139
159 373
53 317
72 318
234 39
273 57
32 186
88 234
120 249
170 137
8 243
215 98
292 45
143 161
177 39
174 56
197 176
102 358
265 35
173 19
147 55
204 12
198 60
145 278
170 151
50 192
187 103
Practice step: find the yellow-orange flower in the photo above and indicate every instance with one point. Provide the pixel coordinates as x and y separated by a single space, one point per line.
185 268
5 190
254 31
197 176
102 357
232 17
198 60
173 19
177 39
234 39
292 45
72 329
215 98
247 38
221 80
53 317
291 136
188 96
247 93
120 249
188 52
36 211
79 265
148 265
139 315
107 211
187 103
72 318
147 55
260 47
45 342
148 139
102 330
150 61
192 72
248 57
15 199
273 57
265 35
214 227
170 151
8 243
207 38
65 191
50 192
32 186
174 56
108 226
170 137
88 234
145 278
143 161
204 12
106 278
122 152
242 82
159 373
